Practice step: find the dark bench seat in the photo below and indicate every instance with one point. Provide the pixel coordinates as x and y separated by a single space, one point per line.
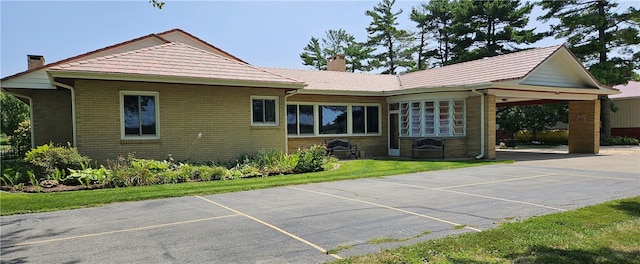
341 145
421 144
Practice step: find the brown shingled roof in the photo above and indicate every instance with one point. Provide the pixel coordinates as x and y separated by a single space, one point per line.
174 60
493 69
340 81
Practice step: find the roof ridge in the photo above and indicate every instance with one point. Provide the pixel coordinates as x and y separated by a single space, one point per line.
199 39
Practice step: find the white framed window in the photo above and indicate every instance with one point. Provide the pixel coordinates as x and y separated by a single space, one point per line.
322 119
139 115
432 118
264 111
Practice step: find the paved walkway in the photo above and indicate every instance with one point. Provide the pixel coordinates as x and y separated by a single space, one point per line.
299 224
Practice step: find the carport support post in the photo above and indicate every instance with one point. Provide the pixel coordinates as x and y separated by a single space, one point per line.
584 127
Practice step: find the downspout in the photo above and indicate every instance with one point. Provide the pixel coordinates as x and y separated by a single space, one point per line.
286 136
73 109
33 141
482 124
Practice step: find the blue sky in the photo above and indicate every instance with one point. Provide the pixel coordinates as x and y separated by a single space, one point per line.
263 33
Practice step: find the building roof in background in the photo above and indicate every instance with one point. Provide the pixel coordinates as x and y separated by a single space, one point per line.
632 89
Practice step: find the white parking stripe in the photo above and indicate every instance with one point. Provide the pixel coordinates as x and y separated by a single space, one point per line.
119 231
470 194
387 207
492 182
324 251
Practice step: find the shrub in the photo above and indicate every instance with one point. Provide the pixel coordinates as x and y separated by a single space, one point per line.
46 159
14 173
623 141
87 176
311 159
207 173
549 137
21 138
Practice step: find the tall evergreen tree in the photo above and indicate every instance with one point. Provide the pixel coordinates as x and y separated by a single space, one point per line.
313 55
489 28
603 37
396 44
358 55
434 20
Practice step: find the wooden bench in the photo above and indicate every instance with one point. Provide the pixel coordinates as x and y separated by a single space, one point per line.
341 145
420 144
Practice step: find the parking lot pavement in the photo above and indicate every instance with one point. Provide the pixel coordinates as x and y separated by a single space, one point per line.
321 222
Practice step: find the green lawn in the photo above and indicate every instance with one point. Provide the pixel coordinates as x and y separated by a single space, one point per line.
19 203
604 233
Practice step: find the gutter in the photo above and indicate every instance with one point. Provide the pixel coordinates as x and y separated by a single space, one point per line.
482 123
33 141
73 108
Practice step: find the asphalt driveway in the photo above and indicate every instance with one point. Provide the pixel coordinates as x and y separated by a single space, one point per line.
299 224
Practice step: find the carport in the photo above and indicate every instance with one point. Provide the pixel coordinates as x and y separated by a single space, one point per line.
558 79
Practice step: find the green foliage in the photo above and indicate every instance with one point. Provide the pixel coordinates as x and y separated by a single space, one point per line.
313 55
21 137
358 55
87 176
14 111
547 137
600 34
395 44
45 160
489 28
532 118
14 173
623 141
311 159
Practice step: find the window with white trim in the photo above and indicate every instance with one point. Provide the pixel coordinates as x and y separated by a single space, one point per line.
139 114
333 119
300 120
432 118
264 110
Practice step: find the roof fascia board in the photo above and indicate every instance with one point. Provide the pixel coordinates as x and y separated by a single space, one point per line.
533 88
170 79
537 95
454 88
339 92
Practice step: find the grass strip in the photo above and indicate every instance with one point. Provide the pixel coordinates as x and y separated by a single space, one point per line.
604 233
20 203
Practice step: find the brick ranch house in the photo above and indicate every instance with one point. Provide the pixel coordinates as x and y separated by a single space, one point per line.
173 93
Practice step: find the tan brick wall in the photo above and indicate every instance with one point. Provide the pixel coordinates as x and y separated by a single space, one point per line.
474 126
584 127
221 114
51 115
371 145
455 147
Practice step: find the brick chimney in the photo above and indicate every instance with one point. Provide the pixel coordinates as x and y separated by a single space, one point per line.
35 61
337 63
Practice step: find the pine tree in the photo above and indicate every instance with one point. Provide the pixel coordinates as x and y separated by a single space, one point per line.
604 38
313 55
358 55
396 44
489 28
434 19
